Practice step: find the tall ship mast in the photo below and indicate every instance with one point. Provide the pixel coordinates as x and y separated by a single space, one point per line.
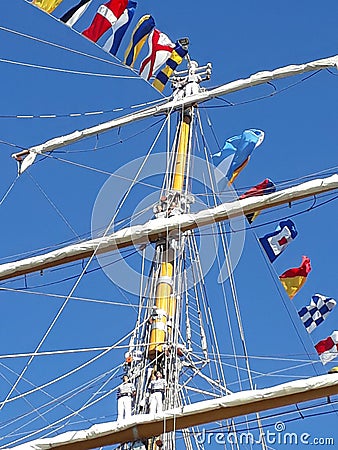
168 248
170 335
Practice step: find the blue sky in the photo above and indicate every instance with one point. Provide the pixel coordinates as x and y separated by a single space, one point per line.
54 200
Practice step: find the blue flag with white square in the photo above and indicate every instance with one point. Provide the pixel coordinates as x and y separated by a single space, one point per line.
315 314
276 242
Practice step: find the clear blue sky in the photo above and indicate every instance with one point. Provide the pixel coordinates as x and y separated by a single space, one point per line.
238 38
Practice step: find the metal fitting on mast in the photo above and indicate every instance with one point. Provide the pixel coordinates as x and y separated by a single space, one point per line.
187 82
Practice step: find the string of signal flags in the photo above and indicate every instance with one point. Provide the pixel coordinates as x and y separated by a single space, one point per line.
238 149
320 306
108 28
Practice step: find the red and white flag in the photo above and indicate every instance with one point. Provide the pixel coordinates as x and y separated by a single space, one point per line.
160 49
105 18
327 348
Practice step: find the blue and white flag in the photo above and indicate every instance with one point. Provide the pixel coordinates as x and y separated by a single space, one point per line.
314 314
138 38
75 13
119 28
240 148
276 242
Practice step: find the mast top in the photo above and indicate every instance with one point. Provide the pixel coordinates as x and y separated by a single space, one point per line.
187 82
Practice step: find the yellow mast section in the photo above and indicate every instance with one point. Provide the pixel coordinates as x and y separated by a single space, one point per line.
164 299
182 152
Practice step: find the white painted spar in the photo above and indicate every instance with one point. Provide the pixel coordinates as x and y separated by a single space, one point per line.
170 105
156 229
145 426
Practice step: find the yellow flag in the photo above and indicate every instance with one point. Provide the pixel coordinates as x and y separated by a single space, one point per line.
292 285
47 5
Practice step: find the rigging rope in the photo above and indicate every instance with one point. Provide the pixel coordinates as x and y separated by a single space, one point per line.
68 71
52 44
8 190
71 372
82 237
82 299
33 409
263 97
59 400
7 398
10 144
76 115
231 423
105 172
205 148
231 279
82 408
59 213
